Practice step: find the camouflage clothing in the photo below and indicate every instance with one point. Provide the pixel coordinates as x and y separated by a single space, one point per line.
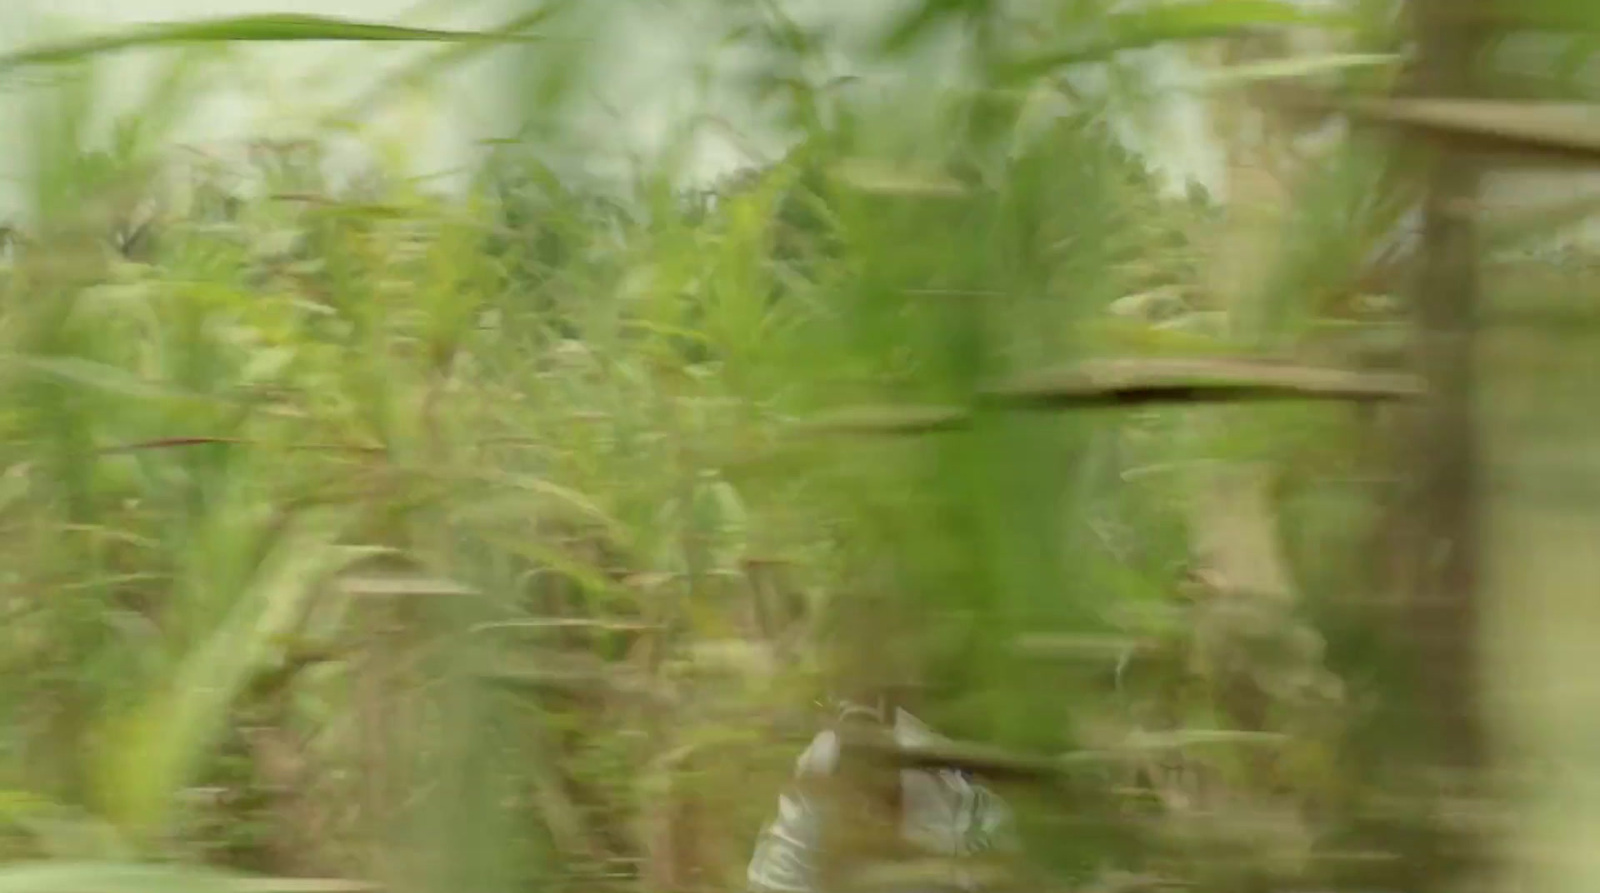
945 813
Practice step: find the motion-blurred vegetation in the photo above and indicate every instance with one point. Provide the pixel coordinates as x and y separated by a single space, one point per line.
509 540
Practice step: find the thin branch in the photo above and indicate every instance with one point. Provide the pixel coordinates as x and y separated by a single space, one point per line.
1000 764
166 443
890 420
1133 383
1547 131
1140 382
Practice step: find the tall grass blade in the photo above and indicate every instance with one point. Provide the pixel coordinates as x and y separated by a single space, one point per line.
1175 22
421 71
256 28
155 751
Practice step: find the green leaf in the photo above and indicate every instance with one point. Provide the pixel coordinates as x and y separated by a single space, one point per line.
1146 28
56 877
159 746
271 27
1298 67
105 379
133 877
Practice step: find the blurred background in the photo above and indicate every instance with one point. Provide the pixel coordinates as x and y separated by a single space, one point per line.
479 445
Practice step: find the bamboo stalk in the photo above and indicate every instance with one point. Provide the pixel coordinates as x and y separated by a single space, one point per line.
1446 455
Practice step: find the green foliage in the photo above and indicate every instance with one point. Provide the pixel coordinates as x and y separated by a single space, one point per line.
471 544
